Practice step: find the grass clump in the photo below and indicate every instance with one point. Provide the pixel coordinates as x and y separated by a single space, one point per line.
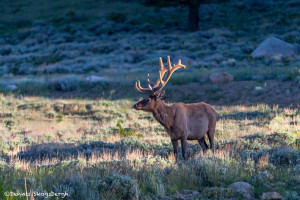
60 117
124 131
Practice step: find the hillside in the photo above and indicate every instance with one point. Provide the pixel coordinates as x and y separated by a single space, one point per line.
46 48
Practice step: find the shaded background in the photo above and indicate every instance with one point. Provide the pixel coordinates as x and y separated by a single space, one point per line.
98 49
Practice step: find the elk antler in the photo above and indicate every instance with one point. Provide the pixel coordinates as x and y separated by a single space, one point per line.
160 83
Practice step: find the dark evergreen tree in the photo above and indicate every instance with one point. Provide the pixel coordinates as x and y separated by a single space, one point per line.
193 6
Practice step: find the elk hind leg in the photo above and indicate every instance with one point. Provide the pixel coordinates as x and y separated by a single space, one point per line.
211 134
203 145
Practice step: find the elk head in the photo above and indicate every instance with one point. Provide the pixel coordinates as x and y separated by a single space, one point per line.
154 90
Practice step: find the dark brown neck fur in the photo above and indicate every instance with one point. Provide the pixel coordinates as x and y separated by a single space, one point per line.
164 114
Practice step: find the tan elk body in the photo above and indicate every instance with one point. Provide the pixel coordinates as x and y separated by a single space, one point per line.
181 121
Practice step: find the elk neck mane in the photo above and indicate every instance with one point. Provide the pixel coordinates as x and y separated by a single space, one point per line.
164 114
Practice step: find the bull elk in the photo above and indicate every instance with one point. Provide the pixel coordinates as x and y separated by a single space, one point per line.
181 121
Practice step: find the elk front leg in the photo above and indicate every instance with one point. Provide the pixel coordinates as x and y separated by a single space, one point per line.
184 146
175 148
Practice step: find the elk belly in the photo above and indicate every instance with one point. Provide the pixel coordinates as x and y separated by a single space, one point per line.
197 130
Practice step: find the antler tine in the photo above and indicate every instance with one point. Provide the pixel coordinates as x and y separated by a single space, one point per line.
160 83
163 70
142 90
149 80
137 88
161 64
170 71
160 77
179 65
139 84
169 63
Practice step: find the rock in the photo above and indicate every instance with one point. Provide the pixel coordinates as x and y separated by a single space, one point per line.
93 78
11 87
271 196
274 48
243 188
220 77
258 90
265 176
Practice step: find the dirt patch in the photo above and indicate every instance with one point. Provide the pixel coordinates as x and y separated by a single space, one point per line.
270 92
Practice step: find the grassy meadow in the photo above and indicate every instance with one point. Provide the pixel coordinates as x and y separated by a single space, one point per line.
106 150
67 74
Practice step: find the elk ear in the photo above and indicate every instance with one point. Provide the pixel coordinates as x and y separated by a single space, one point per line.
160 94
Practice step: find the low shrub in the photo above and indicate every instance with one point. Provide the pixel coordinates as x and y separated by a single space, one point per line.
117 186
154 183
69 83
284 156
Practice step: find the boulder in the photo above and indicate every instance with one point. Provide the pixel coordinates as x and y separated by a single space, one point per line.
271 196
93 78
243 188
220 77
275 49
11 87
